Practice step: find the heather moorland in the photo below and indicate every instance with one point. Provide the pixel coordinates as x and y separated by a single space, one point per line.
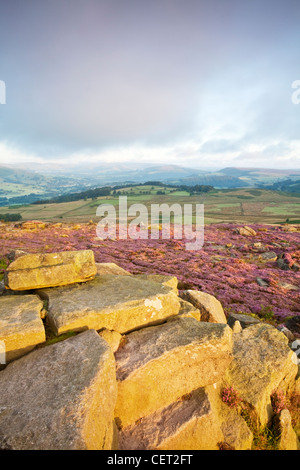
254 274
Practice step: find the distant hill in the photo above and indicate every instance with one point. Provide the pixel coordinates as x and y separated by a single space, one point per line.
216 180
26 185
264 177
289 186
18 185
168 173
268 172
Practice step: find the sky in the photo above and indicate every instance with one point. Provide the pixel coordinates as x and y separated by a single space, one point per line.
204 84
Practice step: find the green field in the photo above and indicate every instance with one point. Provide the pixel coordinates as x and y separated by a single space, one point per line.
235 205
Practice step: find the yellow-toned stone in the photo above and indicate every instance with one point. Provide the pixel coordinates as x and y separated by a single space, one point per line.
262 362
234 428
248 231
119 303
187 310
288 439
36 271
211 309
164 279
186 424
60 397
33 225
159 364
111 268
113 338
21 327
196 421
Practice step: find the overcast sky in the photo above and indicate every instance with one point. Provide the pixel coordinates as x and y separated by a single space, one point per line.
192 82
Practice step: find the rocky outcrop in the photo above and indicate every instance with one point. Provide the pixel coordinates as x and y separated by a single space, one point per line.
262 362
210 308
60 397
187 310
245 320
111 268
188 423
120 303
198 420
288 438
158 364
168 281
50 269
122 362
113 338
21 326
247 231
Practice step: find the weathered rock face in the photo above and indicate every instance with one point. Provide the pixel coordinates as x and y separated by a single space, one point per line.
236 327
175 359
113 338
187 310
262 362
50 269
210 308
288 438
111 268
196 421
169 281
156 365
247 231
186 424
245 320
60 397
235 431
21 327
14 254
286 332
120 303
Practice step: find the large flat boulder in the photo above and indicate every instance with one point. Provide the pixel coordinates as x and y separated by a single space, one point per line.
119 303
35 271
262 362
21 326
60 397
211 309
159 364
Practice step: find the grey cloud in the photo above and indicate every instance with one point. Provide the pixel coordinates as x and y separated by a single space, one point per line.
88 75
